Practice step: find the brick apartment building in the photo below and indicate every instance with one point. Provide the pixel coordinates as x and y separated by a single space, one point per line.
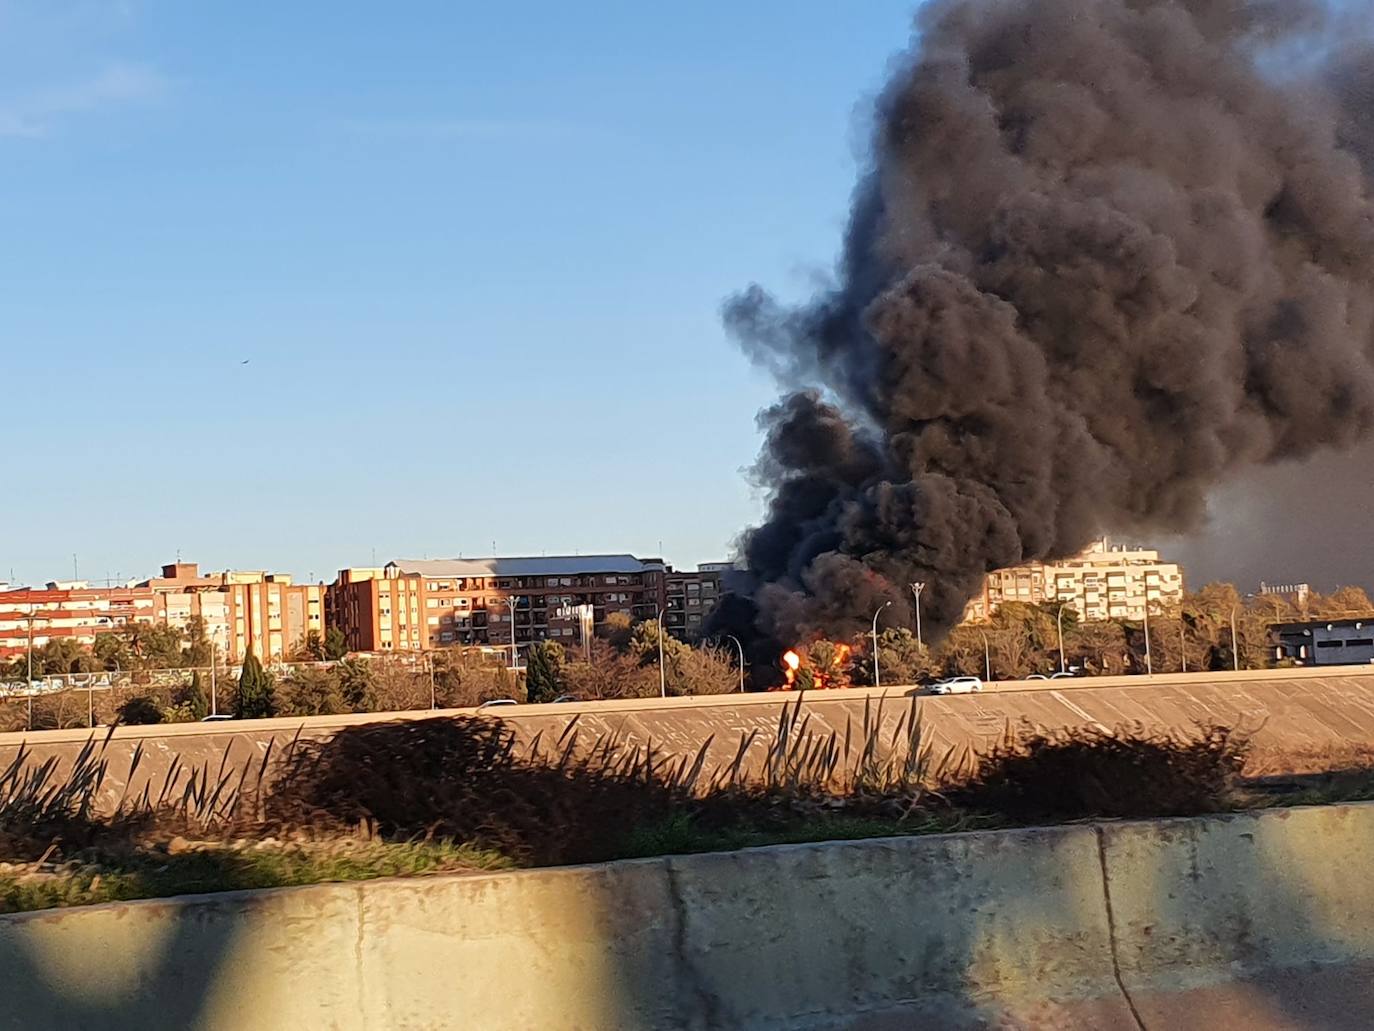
242 610
1104 582
691 597
414 604
71 610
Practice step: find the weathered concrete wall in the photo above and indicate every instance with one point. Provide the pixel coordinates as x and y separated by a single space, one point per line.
1256 921
1308 719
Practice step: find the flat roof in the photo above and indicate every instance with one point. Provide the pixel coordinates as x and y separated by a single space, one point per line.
541 565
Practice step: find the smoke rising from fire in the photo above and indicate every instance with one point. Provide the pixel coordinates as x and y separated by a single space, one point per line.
1106 254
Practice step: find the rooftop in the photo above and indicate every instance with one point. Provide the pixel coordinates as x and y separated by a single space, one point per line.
542 565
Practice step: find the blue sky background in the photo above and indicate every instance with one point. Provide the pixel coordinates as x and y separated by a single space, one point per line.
474 255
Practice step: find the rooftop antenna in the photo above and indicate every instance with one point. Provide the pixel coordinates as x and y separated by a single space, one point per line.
75 575
493 549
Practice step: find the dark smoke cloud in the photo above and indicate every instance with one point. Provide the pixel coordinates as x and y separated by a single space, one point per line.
1108 254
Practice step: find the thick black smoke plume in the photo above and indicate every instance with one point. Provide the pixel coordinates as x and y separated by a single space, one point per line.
1107 254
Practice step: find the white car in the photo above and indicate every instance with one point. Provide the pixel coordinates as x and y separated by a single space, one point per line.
958 685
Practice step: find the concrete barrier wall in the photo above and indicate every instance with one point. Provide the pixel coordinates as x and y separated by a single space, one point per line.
1309 720
1258 920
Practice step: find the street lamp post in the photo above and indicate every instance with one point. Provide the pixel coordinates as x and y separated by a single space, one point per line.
511 602
1060 624
1182 644
877 678
662 678
987 657
1235 644
1149 665
741 660
916 589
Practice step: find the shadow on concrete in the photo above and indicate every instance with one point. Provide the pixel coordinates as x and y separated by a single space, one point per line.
111 975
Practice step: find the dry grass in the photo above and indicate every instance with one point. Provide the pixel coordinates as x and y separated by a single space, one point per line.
466 780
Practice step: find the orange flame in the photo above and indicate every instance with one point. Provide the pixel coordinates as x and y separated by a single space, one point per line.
791 662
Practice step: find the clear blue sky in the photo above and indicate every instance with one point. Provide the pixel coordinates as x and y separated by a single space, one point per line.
474 255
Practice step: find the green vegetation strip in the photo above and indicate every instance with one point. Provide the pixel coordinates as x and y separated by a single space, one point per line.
153 873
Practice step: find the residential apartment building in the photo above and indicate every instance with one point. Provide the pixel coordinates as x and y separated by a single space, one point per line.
242 610
691 597
415 604
71 610
1105 582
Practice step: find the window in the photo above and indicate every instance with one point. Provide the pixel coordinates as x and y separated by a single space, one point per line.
1330 644
433 621
1360 642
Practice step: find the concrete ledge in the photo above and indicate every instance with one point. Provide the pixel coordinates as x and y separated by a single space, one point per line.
1261 920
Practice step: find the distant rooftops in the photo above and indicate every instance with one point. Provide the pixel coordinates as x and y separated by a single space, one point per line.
542 565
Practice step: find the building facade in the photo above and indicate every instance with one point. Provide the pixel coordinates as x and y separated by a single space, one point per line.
241 610
691 596
1104 582
1338 642
75 611
413 605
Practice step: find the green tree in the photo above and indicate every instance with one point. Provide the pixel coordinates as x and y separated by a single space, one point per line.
198 649
311 692
140 710
311 648
193 698
357 685
335 644
256 693
543 666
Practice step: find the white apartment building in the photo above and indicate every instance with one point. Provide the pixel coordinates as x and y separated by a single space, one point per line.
1104 582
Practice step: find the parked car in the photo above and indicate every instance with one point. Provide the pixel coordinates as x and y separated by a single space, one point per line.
497 701
1039 676
1061 676
957 685
215 718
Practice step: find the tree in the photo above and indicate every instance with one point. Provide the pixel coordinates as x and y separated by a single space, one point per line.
311 692
335 644
543 665
311 648
198 650
357 685
256 693
193 698
140 710
901 659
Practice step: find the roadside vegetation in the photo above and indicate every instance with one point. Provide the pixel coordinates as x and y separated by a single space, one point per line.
165 673
462 794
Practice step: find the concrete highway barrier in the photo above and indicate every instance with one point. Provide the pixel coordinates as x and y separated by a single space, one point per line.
1256 921
1304 721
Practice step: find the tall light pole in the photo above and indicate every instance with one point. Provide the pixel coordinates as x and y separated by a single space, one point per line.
1235 644
1182 644
987 657
741 660
662 678
1059 622
877 678
511 602
916 589
1149 665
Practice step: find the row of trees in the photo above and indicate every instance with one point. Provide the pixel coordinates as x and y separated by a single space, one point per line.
138 646
1021 640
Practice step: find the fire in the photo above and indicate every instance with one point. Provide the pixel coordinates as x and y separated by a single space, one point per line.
791 662
831 674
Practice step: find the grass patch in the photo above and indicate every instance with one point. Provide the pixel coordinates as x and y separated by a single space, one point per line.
153 873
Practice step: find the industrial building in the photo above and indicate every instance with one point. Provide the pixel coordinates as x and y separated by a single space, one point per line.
1337 642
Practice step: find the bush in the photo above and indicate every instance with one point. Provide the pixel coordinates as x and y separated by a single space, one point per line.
1131 773
460 778
310 692
139 710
